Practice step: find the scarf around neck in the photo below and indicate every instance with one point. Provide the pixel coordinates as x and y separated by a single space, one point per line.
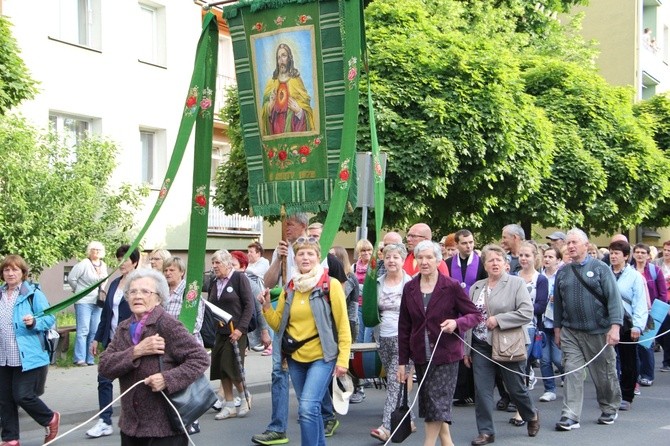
307 281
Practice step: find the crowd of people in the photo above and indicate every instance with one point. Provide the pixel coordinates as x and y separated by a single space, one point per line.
442 309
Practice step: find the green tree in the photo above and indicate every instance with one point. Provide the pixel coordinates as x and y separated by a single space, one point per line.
55 199
15 82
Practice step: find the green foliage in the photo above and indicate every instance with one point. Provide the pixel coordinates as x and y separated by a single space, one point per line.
15 82
53 203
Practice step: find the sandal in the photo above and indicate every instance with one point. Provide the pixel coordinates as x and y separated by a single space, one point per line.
381 433
226 412
517 422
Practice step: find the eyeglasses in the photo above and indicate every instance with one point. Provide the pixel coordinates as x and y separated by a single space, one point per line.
140 292
306 240
416 236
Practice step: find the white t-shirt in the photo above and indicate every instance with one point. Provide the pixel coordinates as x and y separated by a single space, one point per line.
260 267
389 309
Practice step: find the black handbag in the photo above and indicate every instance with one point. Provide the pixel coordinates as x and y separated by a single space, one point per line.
191 402
401 421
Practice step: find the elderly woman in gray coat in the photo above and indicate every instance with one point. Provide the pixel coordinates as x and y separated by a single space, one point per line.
504 302
133 355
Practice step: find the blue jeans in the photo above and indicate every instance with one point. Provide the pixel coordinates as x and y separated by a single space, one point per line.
646 362
105 396
310 381
279 422
364 333
551 356
88 318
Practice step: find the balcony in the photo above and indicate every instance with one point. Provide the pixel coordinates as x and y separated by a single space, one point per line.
221 224
222 84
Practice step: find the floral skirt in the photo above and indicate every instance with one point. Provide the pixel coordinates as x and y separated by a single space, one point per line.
437 392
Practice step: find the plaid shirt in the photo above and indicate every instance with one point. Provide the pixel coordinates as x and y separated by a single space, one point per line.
9 349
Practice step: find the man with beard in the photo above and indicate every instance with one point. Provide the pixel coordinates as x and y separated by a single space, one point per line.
286 102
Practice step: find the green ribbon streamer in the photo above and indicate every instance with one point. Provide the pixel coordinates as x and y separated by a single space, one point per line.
208 37
351 24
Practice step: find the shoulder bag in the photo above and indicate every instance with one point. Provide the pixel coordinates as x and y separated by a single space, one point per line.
507 345
190 403
401 421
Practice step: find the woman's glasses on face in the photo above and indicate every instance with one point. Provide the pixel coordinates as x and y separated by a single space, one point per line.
140 292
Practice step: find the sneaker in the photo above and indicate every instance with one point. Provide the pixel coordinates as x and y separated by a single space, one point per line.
532 380
267 352
636 390
330 426
52 428
357 397
101 429
244 407
607 418
646 382
193 428
625 405
258 348
269 438
548 396
665 368
217 406
567 424
237 401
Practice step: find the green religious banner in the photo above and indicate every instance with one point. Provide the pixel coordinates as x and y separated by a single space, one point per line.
298 67
196 110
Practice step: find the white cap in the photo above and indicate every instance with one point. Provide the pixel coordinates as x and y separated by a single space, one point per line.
343 388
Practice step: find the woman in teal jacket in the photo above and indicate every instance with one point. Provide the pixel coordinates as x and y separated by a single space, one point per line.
22 354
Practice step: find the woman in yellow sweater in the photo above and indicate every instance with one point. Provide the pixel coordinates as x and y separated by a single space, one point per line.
311 319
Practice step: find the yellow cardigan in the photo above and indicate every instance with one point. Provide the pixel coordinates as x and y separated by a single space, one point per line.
301 324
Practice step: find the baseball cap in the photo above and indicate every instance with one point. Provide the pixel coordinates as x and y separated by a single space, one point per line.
343 388
558 235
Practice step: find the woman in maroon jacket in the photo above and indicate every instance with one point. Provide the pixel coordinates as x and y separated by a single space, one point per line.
132 356
432 302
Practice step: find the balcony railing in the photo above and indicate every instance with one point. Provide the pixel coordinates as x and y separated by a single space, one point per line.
240 225
222 84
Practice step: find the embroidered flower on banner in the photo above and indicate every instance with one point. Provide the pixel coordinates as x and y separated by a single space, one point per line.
352 74
192 101
192 293
302 19
284 155
206 102
279 21
200 200
378 170
259 27
164 189
344 174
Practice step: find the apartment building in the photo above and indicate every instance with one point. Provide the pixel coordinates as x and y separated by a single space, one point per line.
122 69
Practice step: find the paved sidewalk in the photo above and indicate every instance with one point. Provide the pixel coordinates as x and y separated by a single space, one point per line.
74 391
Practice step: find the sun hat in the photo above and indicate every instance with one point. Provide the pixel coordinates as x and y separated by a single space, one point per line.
558 235
343 388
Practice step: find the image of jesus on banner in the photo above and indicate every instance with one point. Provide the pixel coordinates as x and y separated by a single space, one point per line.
286 102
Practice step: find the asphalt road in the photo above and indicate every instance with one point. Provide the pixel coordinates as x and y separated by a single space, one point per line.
647 423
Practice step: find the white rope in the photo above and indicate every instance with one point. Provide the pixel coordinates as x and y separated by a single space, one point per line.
430 361
110 404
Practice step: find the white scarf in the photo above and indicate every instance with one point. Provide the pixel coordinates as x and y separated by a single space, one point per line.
305 282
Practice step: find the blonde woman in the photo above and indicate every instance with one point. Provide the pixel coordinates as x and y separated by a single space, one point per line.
84 274
157 257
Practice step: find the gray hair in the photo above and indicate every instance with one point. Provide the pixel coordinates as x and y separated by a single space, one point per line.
579 233
395 247
428 244
223 256
162 289
515 229
300 217
95 245
493 248
176 261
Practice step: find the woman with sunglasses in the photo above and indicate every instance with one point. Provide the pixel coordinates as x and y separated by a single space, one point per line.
312 314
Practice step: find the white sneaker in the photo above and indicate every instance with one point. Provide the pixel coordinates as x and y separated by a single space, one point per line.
548 396
101 429
237 400
532 380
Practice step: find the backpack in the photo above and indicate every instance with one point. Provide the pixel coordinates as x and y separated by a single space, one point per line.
208 329
653 271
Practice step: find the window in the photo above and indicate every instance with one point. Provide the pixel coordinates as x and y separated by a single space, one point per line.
220 153
151 34
152 157
71 129
78 22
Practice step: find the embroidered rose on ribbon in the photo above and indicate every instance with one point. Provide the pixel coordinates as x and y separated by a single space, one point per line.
352 74
191 101
279 21
191 294
302 19
164 189
303 150
344 174
259 27
200 200
206 102
285 155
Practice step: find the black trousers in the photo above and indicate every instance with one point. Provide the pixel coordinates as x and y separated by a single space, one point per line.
177 440
628 361
19 388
